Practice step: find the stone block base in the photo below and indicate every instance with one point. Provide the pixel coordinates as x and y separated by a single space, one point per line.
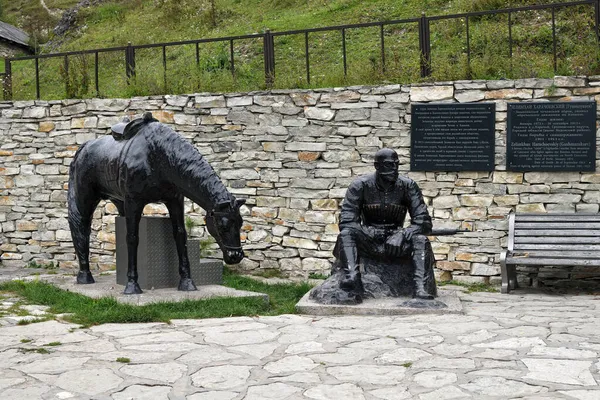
404 305
158 263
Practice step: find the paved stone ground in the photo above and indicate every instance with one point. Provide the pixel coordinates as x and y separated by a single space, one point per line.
529 345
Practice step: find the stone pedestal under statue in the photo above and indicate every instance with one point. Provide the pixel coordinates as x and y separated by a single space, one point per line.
380 279
157 253
388 290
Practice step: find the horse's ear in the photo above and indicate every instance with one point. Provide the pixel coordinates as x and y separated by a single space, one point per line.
239 202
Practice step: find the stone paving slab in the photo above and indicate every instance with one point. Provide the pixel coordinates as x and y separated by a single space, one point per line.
386 306
526 345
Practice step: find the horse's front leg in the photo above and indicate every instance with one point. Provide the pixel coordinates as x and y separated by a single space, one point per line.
133 215
175 208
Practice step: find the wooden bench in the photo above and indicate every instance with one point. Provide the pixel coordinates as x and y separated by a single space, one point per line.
549 240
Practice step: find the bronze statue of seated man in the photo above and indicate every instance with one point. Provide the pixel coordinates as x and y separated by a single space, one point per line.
395 260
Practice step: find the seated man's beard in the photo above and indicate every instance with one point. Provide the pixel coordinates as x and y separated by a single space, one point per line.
388 176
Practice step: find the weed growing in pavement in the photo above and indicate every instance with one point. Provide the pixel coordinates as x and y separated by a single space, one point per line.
39 350
32 321
472 287
34 264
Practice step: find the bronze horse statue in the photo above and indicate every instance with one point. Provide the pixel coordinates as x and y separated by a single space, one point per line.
145 162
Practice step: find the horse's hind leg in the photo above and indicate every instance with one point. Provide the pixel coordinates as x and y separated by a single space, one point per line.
80 213
175 207
133 215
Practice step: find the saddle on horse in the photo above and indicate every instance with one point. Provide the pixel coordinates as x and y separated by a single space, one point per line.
127 129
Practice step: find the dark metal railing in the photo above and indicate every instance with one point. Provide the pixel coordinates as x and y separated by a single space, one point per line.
342 29
268 45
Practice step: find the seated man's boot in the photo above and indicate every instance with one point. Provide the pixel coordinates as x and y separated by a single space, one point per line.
352 279
419 277
420 293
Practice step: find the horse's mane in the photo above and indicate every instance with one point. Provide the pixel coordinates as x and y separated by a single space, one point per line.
186 161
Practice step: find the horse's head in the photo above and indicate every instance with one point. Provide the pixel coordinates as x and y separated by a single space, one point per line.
224 223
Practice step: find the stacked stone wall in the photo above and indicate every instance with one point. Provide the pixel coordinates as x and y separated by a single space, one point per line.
291 154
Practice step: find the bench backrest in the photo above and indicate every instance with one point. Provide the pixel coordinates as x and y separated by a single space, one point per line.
575 235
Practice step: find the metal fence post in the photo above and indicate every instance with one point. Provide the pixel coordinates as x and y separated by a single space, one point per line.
425 46
130 61
67 83
269 56
7 86
37 78
597 18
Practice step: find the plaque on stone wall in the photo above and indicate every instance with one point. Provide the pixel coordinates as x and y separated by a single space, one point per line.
557 136
452 137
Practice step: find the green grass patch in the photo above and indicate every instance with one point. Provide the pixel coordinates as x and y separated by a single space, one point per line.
26 340
283 296
32 321
39 350
16 309
39 265
115 23
269 273
87 311
61 4
472 287
53 344
314 275
123 360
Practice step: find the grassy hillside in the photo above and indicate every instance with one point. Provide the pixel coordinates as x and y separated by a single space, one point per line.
115 23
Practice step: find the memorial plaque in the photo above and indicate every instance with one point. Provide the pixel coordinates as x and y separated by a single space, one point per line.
558 136
452 137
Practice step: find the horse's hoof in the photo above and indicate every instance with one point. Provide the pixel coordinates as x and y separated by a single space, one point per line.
85 278
132 288
187 285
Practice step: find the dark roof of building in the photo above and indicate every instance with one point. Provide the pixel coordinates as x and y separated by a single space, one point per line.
13 34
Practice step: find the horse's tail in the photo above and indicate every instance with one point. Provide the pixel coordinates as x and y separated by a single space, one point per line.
72 174
72 166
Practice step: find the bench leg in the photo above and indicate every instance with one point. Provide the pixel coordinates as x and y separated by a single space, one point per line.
505 276
512 276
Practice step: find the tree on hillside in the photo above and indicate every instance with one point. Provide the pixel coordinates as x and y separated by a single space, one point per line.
38 24
213 13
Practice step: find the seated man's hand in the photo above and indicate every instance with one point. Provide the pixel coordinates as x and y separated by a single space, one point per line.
393 244
410 231
376 233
